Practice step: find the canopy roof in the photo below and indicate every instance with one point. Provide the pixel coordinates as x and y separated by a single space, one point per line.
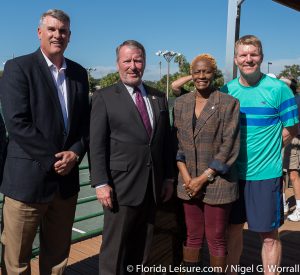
294 4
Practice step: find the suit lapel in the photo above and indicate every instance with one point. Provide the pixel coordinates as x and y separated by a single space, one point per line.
154 102
48 79
208 110
126 99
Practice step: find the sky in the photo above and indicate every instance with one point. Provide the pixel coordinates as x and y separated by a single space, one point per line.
190 27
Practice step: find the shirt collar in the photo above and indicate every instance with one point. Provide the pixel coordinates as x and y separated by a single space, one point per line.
50 64
131 89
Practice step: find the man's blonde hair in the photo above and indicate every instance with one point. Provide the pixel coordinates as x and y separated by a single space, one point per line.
248 40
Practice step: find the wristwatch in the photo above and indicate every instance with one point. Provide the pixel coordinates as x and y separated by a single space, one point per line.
210 177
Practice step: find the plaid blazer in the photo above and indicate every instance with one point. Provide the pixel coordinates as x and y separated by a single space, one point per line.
214 143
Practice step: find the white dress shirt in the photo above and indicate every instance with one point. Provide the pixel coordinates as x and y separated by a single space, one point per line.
59 78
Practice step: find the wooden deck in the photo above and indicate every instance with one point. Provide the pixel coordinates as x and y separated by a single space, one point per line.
166 249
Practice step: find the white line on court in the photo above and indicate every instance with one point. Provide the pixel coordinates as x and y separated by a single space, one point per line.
78 230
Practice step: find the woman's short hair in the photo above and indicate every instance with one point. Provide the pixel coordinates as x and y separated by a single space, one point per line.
206 57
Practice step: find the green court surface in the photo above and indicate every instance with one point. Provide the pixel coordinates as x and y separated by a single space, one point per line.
83 228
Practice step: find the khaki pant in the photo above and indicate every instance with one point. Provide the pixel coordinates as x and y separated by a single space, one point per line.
21 221
291 157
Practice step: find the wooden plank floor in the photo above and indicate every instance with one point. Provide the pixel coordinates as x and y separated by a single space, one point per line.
166 248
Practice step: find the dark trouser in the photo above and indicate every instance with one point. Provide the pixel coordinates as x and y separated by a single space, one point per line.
127 236
209 220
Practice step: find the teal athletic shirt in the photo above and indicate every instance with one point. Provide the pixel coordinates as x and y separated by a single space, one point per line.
265 109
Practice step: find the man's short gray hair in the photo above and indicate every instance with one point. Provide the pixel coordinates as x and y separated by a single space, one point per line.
58 14
131 44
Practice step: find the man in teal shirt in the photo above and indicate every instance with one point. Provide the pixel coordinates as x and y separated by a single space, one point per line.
269 118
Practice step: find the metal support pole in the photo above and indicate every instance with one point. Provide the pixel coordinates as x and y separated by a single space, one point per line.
233 32
269 63
168 76
159 69
168 56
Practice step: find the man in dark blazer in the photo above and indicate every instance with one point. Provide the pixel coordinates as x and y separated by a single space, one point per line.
129 161
45 105
3 144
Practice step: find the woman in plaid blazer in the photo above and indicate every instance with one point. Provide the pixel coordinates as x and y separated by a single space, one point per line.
207 126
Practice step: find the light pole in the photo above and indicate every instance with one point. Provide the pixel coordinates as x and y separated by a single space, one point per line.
89 70
168 56
159 69
269 63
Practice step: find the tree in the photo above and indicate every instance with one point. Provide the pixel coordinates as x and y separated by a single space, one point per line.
161 84
109 79
292 71
218 81
152 84
93 83
184 69
184 66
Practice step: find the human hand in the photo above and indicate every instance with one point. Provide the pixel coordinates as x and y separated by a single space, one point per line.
194 186
104 195
67 160
167 189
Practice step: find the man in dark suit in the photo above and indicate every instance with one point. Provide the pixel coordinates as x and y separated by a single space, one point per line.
130 161
3 144
45 106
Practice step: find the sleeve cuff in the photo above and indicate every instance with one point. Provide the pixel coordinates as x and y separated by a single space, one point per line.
219 167
95 184
100 185
180 157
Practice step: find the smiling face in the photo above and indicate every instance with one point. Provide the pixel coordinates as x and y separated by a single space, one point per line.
131 65
54 36
248 58
203 74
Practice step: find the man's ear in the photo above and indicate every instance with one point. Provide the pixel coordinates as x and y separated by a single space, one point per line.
39 32
235 61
